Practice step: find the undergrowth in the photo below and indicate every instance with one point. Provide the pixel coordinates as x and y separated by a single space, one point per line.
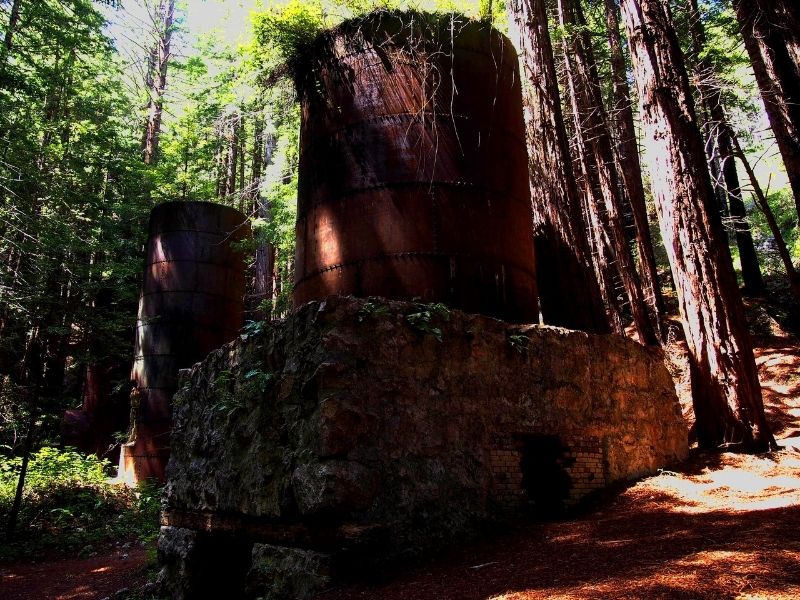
69 506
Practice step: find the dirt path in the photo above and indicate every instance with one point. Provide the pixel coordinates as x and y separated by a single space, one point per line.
75 578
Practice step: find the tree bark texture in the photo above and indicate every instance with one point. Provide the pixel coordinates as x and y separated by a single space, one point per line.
718 140
231 133
569 295
771 32
725 388
598 161
630 167
264 267
157 78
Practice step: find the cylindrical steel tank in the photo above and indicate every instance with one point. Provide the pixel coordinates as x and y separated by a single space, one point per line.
192 302
413 178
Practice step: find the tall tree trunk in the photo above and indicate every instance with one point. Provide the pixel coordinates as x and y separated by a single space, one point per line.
219 162
8 38
157 78
263 284
630 168
232 153
725 388
598 160
13 515
771 32
602 254
569 295
257 160
241 140
717 136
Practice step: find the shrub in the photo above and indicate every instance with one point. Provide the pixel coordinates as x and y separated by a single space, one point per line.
69 503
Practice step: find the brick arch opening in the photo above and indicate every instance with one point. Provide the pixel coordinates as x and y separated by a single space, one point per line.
544 463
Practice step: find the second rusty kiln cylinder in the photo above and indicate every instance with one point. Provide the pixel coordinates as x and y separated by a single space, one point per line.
192 302
413 179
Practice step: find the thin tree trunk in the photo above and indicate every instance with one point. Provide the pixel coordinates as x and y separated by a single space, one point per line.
165 20
602 254
771 32
263 148
219 161
751 270
597 154
763 204
725 389
241 139
232 135
721 161
569 295
630 167
8 38
257 159
13 515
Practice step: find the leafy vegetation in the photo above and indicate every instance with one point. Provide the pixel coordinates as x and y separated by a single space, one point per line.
519 343
70 506
425 319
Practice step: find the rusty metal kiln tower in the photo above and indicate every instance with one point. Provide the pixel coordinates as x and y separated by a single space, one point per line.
192 302
413 167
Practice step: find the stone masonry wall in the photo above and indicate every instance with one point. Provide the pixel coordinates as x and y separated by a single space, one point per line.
362 429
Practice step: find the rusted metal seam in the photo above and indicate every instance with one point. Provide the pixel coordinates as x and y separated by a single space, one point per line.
224 265
355 192
433 115
211 294
215 233
410 254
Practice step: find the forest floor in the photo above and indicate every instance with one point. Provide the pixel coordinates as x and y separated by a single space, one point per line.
719 526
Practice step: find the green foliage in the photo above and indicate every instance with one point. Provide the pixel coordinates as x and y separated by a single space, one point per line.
253 327
285 30
783 207
424 320
73 203
519 343
69 503
259 379
225 400
372 310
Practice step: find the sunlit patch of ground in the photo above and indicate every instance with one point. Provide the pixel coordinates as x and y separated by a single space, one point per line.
735 483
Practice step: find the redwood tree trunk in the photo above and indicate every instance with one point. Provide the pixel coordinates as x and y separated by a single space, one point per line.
725 388
241 139
771 32
569 295
232 153
597 155
630 167
157 79
263 284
